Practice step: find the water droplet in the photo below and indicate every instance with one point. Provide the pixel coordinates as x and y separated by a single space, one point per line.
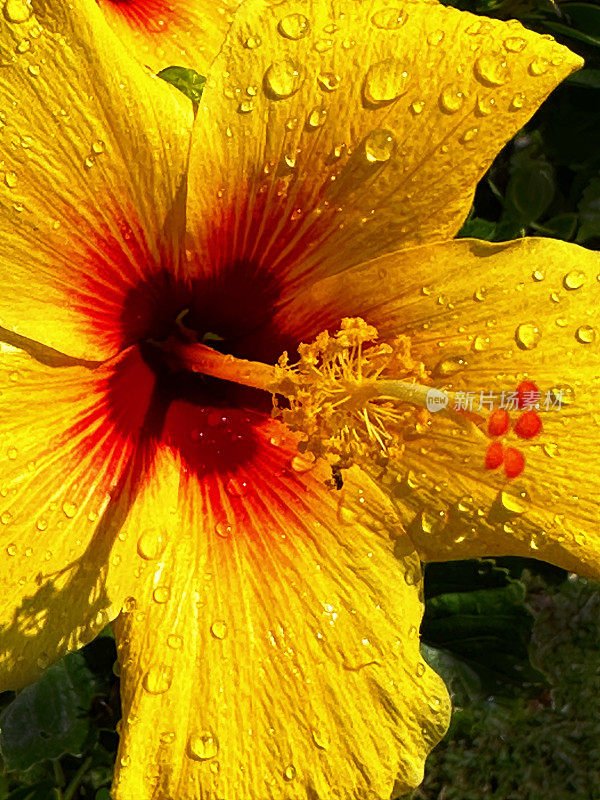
323 45
528 335
551 449
515 44
98 146
282 79
224 529
294 26
69 509
245 107
539 66
252 42
12 453
6 518
161 594
203 746
385 81
10 179
574 279
538 275
420 670
219 629
435 38
321 738
11 549
512 504
17 10
379 145
585 334
174 641
168 737
33 70
316 118
329 81
517 102
158 679
491 70
469 135
41 524
481 343
23 47
417 106
151 545
451 98
289 773
389 19
449 366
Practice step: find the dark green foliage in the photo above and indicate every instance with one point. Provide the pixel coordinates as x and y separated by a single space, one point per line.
186 80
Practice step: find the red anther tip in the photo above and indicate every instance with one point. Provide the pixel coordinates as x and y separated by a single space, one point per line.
498 422
514 462
528 425
528 394
494 455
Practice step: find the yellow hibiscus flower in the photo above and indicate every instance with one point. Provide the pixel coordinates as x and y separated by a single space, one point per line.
266 614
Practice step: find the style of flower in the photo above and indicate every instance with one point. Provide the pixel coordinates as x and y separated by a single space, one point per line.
266 608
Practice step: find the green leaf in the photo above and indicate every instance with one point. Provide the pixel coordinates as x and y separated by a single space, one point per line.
50 717
476 630
188 81
478 228
103 794
530 190
589 212
589 78
573 33
583 16
561 226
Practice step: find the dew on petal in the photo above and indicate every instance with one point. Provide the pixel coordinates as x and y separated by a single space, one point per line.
539 66
174 641
17 10
389 19
161 594
329 81
585 334
294 26
289 773
512 503
380 145
219 629
10 179
321 738
203 745
385 81
491 70
515 44
252 42
282 79
452 99
417 106
223 529
158 679
151 545
574 279
316 118
517 102
528 336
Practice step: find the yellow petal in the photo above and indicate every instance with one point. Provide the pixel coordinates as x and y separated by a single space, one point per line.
341 131
95 153
63 454
183 32
485 317
273 650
